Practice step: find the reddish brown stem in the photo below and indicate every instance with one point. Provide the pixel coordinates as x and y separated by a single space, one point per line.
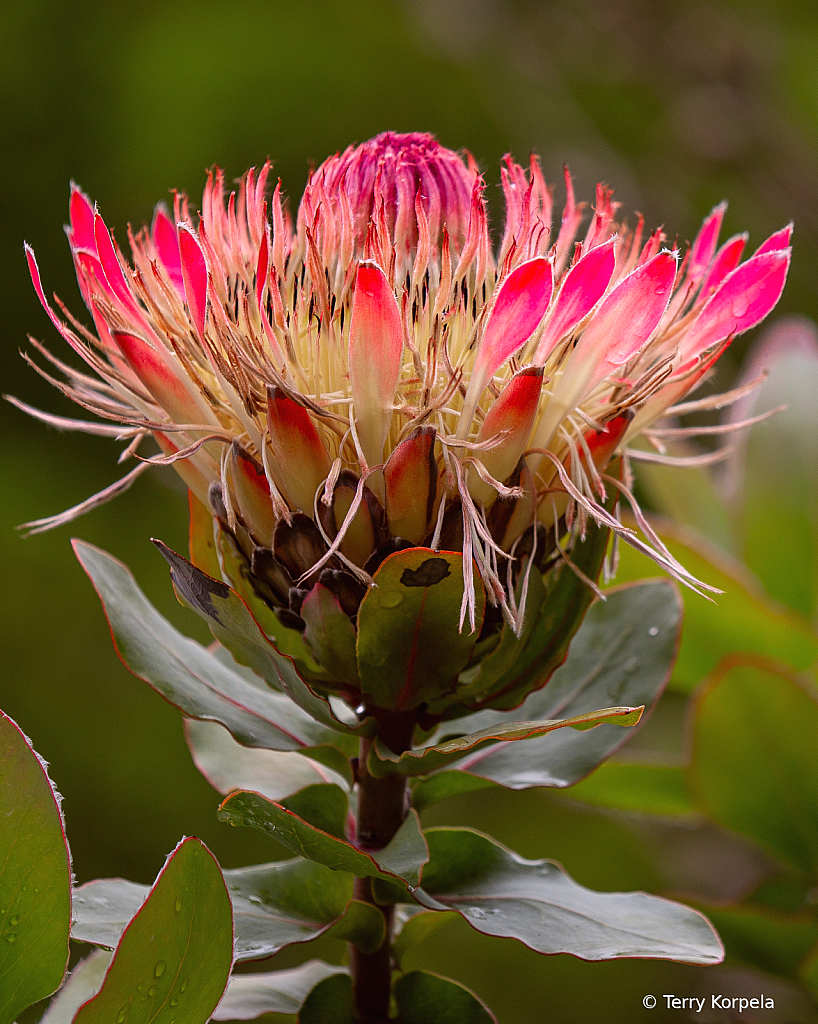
382 807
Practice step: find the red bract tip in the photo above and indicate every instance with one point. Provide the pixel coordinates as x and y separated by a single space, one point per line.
375 355
81 216
166 243
704 246
194 275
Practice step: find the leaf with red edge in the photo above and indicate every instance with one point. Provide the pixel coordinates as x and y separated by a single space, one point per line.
234 627
426 998
311 823
175 956
500 893
187 675
410 647
35 878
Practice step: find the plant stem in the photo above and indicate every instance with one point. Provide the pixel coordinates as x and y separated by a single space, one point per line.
382 807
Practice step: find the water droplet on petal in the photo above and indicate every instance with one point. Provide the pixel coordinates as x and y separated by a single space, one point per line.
653 631
476 912
159 970
739 305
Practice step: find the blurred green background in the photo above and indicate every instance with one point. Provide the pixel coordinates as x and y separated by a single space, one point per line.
676 104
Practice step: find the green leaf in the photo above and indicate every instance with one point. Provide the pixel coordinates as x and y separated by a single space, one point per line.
232 624
500 893
622 653
647 788
191 678
82 983
401 860
174 959
35 883
330 1002
416 925
228 765
250 995
753 765
330 635
382 761
740 620
410 645
426 998
274 905
554 613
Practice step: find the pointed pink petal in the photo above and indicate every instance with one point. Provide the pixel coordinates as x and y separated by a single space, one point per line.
603 443
112 269
779 240
81 215
518 309
194 275
727 259
743 299
704 246
622 324
299 457
582 287
512 413
159 378
166 243
411 483
252 495
375 356
261 269
34 271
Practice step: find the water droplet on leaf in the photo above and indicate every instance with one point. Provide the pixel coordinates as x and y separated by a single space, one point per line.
152 990
122 1016
178 904
391 600
11 936
159 970
14 919
174 1001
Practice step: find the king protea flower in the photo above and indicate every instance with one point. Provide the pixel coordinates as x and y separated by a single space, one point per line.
376 376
